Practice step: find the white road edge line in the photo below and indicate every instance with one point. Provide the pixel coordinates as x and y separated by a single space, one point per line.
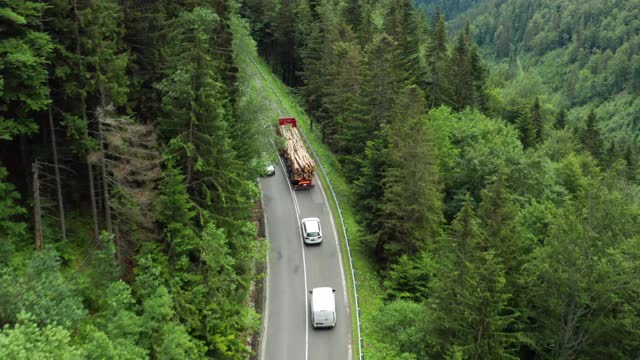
304 262
265 312
344 281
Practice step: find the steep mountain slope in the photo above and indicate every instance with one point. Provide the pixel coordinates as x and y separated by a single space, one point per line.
586 53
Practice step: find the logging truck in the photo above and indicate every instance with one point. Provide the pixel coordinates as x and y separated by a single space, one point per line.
300 166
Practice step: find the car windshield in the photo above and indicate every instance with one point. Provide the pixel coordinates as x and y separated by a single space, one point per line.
313 234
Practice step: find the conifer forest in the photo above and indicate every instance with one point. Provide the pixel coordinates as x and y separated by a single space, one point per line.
486 151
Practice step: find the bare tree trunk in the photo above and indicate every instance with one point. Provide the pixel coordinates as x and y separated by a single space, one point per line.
94 209
54 148
99 196
105 179
37 217
63 225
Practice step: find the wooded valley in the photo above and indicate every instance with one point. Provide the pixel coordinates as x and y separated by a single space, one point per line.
490 147
129 201
492 158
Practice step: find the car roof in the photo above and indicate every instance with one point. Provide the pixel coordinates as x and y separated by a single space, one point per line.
323 299
311 224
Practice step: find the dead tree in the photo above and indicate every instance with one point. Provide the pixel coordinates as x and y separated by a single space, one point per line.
100 115
54 148
37 211
133 164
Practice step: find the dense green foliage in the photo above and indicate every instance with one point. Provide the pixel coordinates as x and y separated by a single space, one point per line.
140 104
584 54
497 195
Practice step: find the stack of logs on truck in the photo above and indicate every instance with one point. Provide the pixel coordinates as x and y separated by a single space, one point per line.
300 166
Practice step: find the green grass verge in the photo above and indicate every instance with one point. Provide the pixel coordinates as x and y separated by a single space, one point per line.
367 280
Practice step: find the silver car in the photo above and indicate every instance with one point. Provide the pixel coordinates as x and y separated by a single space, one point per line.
311 230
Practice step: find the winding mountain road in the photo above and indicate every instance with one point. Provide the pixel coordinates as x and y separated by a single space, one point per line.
295 268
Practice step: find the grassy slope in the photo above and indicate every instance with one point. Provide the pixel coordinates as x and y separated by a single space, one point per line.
263 85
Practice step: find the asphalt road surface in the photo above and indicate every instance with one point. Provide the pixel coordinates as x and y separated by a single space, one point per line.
294 269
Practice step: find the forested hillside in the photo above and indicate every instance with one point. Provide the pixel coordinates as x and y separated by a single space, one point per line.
129 150
579 55
500 218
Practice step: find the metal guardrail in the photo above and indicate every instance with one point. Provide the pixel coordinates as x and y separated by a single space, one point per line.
335 198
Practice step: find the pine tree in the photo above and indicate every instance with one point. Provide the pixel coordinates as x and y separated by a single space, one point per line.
145 37
368 186
527 130
285 57
196 110
469 294
343 101
439 79
383 72
401 23
479 73
410 219
462 74
591 138
561 119
333 106
316 56
611 154
468 73
498 215
102 47
631 159
536 121
352 13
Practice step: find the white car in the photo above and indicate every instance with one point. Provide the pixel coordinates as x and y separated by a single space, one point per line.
270 170
311 230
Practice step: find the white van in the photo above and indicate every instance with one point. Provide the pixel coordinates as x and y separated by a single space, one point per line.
323 307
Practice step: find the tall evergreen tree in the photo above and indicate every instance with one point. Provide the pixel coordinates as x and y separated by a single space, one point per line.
333 106
411 219
498 216
368 186
316 56
462 73
383 72
469 294
401 23
591 137
343 101
468 73
631 159
536 121
561 119
611 154
479 73
353 15
439 79
527 130
195 107
145 37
